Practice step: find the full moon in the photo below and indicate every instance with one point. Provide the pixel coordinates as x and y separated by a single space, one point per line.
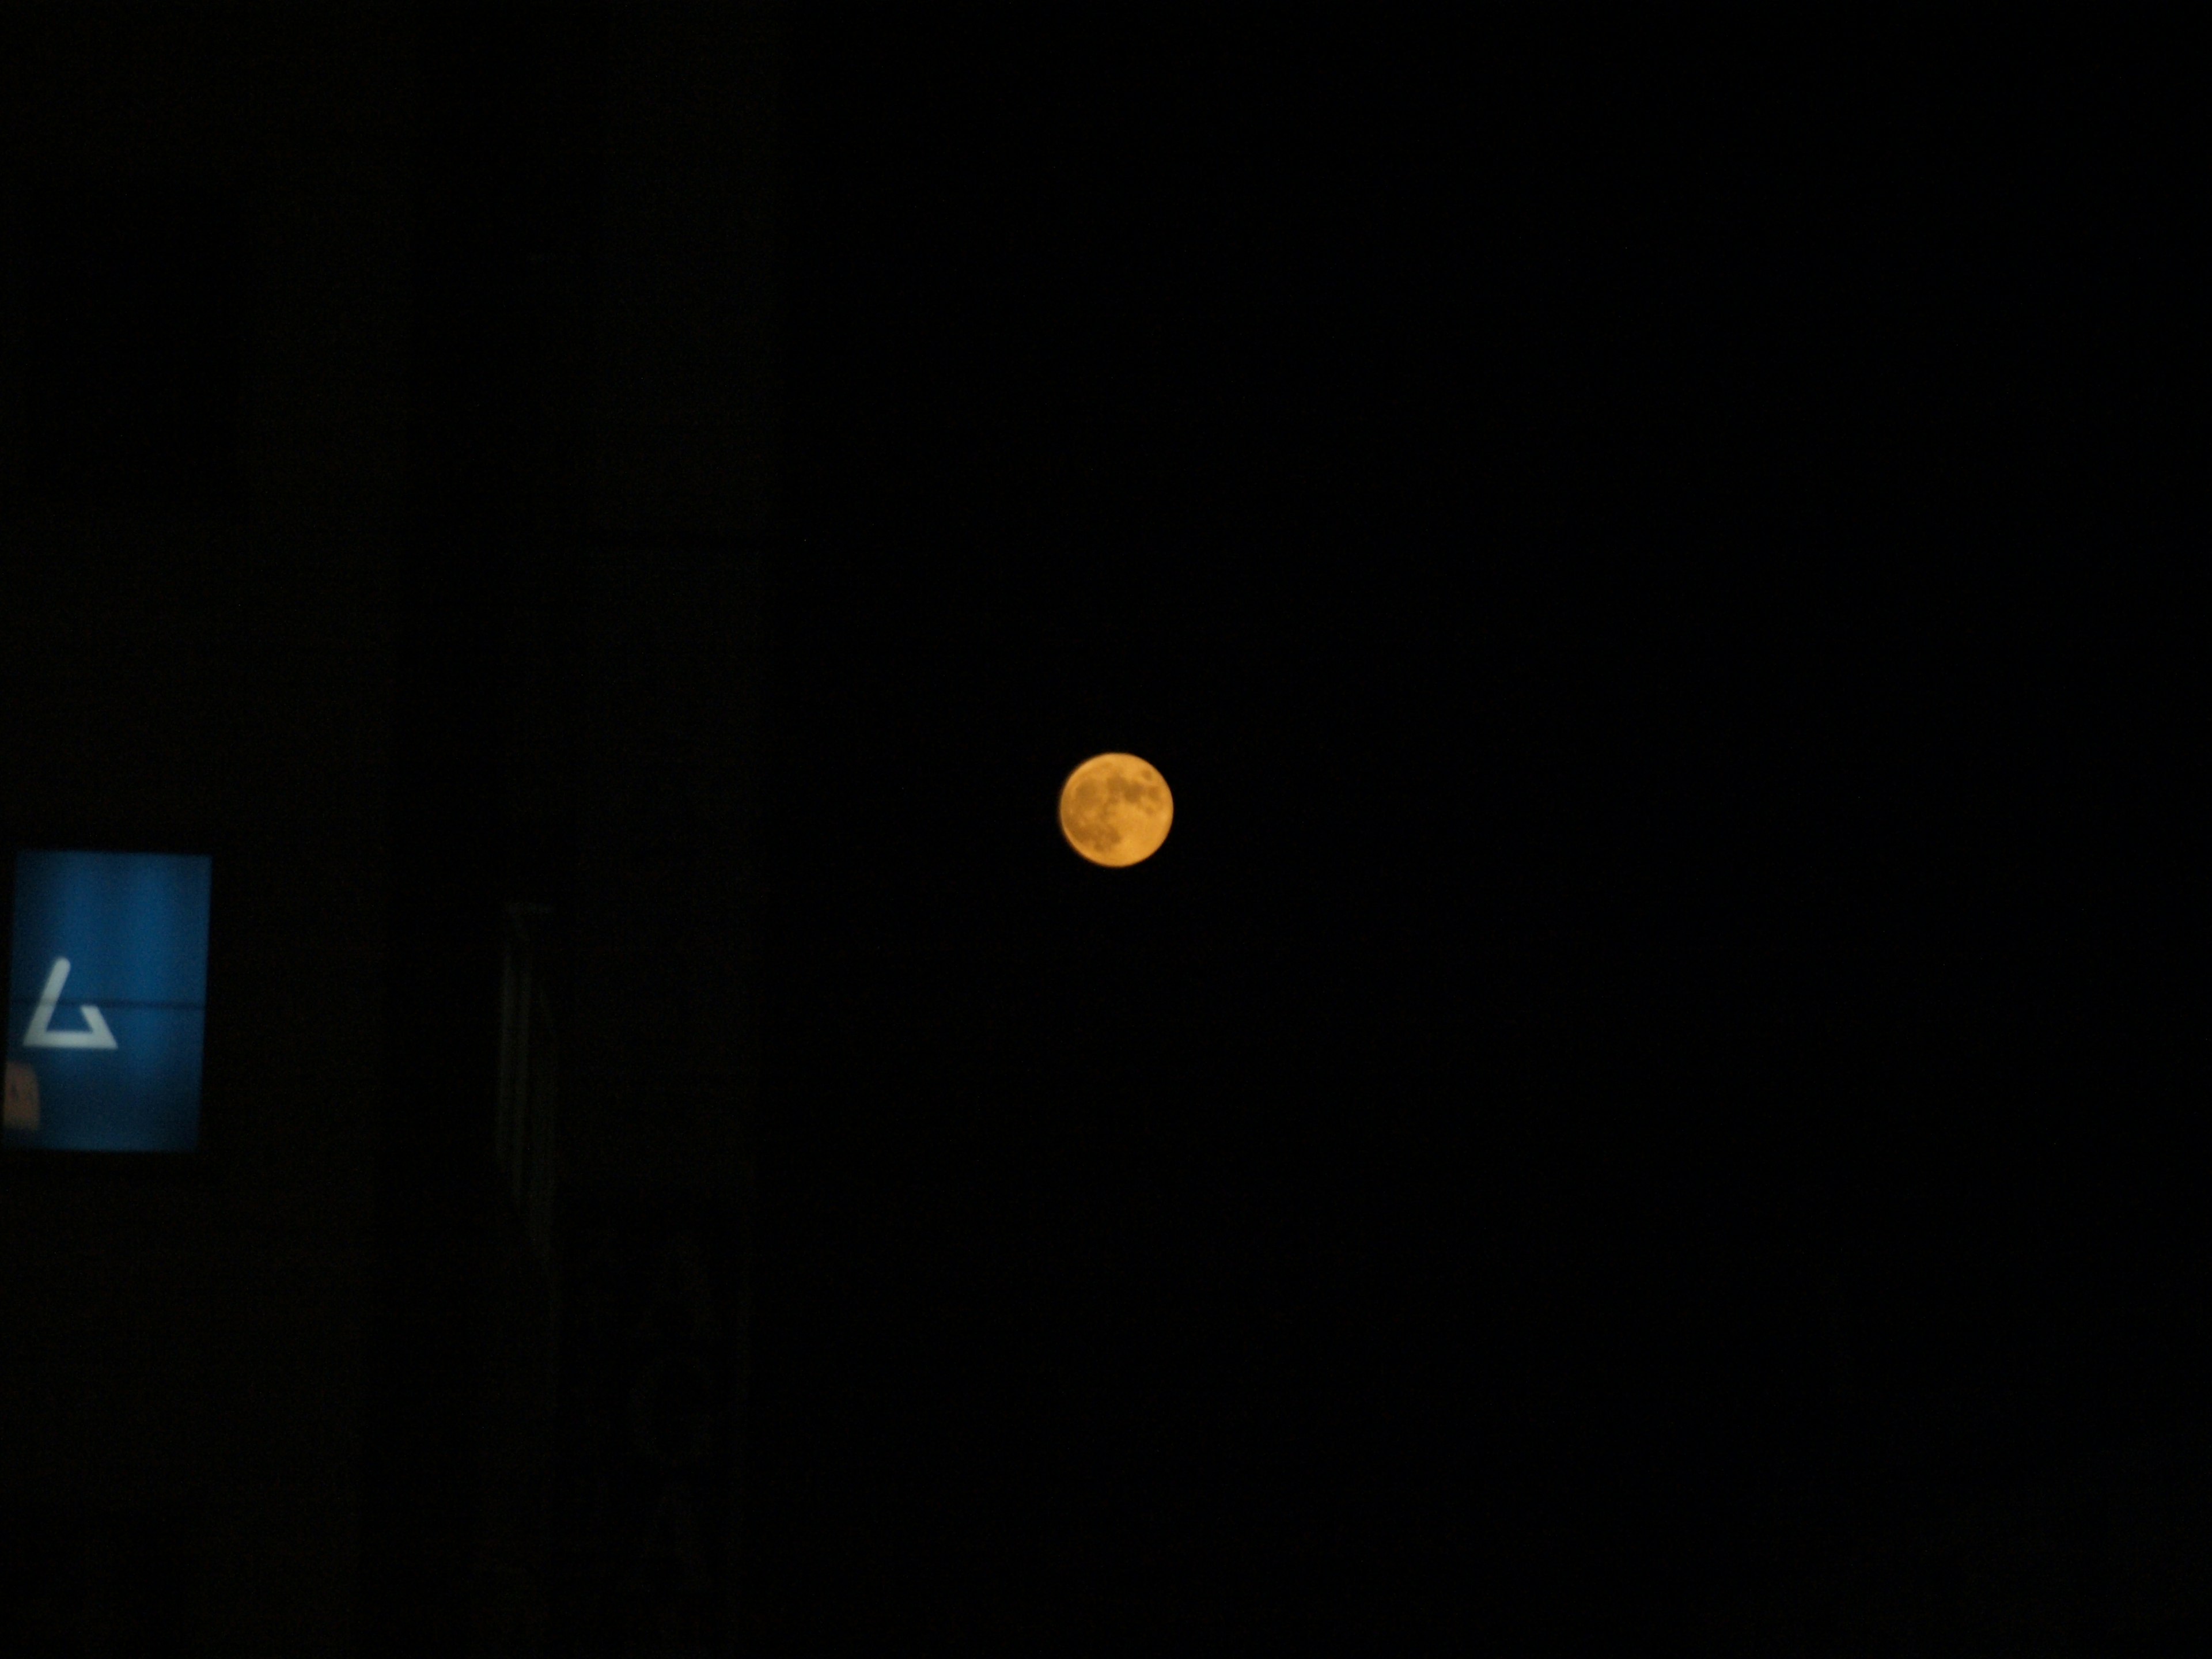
1115 809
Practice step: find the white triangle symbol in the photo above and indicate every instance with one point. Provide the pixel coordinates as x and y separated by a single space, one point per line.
95 1034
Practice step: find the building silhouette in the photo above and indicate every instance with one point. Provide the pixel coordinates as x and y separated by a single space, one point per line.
379 382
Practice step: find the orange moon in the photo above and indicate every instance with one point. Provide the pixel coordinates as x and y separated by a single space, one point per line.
1115 809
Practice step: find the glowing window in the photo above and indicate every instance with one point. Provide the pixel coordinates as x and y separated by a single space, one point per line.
107 1001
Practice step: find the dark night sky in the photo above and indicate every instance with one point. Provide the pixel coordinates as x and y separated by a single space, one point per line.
1073 446
1584 544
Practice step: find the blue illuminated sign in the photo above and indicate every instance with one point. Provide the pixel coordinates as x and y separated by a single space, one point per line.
107 1001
